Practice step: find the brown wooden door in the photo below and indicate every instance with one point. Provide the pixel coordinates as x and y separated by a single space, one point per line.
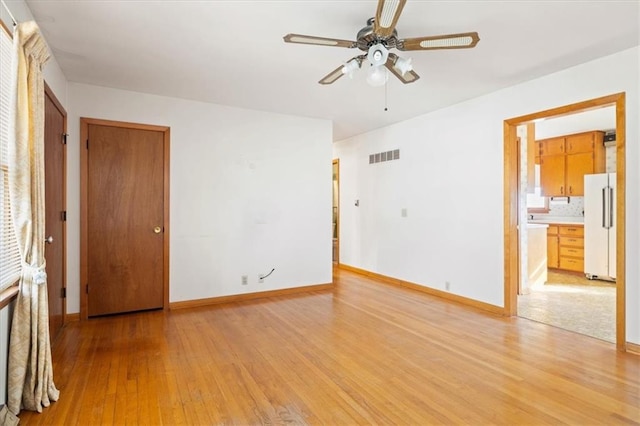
125 208
55 178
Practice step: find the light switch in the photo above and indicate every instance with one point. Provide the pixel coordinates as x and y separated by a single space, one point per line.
403 212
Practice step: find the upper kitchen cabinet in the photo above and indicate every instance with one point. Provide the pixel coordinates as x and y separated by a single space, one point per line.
565 160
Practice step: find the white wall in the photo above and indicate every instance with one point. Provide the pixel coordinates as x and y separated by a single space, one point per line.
450 179
250 191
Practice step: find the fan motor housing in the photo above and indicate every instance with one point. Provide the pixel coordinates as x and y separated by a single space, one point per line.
367 38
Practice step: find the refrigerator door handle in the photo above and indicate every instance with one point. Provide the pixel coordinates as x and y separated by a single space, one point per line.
611 201
604 208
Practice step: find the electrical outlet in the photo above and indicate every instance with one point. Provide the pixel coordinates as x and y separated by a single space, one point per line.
245 280
260 278
447 285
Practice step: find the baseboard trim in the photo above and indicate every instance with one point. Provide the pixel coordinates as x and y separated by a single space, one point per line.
428 290
71 317
185 304
633 348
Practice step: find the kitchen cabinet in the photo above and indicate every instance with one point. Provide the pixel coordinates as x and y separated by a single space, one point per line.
565 160
565 247
552 246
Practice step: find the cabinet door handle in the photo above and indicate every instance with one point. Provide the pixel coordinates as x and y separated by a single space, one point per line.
562 190
570 190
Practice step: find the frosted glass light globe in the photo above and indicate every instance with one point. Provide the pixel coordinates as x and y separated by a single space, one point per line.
377 75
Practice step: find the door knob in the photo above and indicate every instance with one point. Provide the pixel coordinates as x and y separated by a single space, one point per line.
49 239
157 229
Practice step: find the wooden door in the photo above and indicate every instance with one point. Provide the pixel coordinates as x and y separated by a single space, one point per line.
552 175
125 219
55 208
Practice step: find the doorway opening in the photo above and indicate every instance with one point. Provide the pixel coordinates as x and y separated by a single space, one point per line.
516 216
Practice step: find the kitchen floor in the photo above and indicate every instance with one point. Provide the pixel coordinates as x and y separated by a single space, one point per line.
573 302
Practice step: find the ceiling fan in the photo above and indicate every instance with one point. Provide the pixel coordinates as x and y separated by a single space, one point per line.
377 38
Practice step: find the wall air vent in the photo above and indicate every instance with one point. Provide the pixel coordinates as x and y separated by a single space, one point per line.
381 157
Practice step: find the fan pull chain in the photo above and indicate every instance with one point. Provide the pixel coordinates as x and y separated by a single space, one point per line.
386 84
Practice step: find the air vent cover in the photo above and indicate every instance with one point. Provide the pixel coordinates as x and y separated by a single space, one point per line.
381 157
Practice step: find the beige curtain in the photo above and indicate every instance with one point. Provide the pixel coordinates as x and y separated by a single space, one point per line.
30 379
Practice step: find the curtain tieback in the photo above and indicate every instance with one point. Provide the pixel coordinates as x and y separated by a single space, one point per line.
37 272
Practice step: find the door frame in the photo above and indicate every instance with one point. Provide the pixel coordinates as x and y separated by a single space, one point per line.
52 96
336 163
511 197
84 222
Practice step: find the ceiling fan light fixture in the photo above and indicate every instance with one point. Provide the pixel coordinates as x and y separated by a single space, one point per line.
377 55
404 65
377 75
350 67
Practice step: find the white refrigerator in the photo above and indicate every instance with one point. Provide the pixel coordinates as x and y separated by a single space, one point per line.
600 226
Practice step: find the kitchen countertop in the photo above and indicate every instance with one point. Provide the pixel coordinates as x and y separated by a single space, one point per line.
559 220
533 225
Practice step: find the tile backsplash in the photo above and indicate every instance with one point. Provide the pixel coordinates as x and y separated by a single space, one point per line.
574 208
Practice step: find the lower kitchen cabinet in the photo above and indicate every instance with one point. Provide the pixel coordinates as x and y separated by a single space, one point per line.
565 247
552 247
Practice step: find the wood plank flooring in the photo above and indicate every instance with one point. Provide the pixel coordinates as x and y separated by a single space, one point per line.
363 353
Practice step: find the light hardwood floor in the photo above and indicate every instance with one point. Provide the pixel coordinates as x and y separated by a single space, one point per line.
364 353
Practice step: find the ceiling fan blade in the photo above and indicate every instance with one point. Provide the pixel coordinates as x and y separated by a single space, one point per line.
387 16
447 41
332 76
408 77
348 68
319 41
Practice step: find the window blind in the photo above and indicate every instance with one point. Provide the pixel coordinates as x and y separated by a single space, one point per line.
9 253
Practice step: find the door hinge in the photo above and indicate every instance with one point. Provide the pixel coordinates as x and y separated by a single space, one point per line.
87 143
87 288
64 138
64 216
63 293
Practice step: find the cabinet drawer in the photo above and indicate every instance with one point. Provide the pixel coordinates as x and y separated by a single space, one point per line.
552 230
572 264
572 241
573 231
572 252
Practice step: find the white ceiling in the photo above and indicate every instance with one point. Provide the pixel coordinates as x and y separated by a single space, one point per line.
232 52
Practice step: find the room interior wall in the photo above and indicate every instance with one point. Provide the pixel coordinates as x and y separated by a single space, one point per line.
449 180
250 191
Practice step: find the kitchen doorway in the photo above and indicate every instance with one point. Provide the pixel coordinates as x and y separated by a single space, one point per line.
514 216
557 247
